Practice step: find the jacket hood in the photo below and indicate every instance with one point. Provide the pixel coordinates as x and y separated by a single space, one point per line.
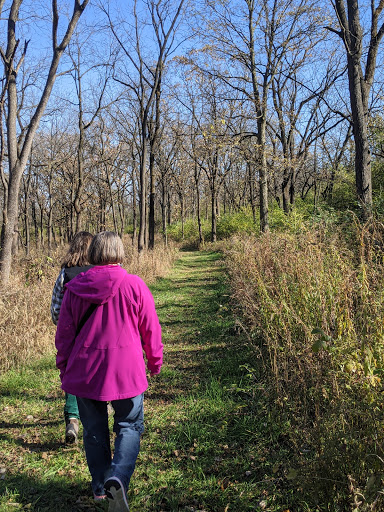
99 284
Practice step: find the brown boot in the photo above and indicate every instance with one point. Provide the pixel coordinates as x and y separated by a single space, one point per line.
72 431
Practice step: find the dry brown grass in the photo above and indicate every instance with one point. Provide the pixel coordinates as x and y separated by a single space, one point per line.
26 328
314 304
149 265
289 285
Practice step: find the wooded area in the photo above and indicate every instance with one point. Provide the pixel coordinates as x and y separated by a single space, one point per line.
253 124
170 109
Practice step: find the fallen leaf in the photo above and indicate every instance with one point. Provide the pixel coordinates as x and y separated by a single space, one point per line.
224 484
292 474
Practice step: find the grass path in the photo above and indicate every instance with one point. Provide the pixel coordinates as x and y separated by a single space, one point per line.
204 448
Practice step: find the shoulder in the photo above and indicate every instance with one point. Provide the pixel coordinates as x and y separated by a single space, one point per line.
61 273
72 272
60 279
135 284
134 280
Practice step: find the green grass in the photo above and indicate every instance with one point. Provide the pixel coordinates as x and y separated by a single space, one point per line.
211 443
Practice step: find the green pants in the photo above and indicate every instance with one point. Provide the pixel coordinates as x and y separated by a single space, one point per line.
70 409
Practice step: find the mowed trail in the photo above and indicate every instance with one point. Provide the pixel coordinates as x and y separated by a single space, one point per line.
201 449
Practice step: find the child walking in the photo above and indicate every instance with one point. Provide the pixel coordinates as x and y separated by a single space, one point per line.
74 262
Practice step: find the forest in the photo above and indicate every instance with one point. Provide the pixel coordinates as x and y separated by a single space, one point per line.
137 117
253 129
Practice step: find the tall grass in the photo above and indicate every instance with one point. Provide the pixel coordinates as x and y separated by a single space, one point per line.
26 329
315 298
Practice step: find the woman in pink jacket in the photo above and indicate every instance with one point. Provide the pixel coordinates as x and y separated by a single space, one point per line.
107 319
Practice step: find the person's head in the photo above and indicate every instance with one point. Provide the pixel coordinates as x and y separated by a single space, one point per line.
77 254
106 248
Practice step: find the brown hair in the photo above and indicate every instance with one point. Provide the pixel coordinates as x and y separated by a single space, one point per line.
77 254
106 248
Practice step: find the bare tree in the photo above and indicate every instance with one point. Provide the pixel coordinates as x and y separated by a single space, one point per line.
254 38
18 156
361 64
95 86
339 144
166 157
144 77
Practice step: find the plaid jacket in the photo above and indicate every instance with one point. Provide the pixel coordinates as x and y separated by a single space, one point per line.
57 297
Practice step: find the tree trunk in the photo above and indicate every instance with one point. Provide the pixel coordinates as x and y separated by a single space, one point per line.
41 225
152 191
134 209
27 233
10 223
169 209
285 193
359 109
164 211
264 222
213 214
251 179
151 214
111 199
197 185
50 215
143 193
360 83
18 157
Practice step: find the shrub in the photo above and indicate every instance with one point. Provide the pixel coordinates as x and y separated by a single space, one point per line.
190 232
237 222
294 222
344 191
316 303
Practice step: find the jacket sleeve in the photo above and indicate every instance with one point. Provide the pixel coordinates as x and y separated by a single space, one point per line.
57 297
65 334
150 330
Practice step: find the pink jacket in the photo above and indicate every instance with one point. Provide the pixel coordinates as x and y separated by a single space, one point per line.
105 361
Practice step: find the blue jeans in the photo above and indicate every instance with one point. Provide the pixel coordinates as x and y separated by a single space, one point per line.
128 426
